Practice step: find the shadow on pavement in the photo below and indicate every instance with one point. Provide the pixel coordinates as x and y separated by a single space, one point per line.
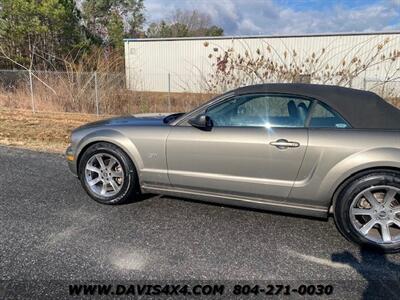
382 275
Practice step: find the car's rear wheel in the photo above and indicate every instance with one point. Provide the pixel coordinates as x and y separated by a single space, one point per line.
107 174
367 211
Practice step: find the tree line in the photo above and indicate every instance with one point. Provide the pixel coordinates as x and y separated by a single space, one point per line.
54 33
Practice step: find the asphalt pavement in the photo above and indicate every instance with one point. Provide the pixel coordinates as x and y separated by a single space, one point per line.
51 230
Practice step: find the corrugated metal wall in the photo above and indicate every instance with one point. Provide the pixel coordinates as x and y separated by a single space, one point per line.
182 65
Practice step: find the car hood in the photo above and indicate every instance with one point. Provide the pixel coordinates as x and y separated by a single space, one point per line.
134 120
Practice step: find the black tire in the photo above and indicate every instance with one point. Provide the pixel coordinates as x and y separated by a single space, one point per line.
344 201
129 188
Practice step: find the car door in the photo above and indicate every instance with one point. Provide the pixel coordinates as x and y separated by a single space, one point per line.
254 148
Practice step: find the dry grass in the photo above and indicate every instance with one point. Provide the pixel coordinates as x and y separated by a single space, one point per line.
76 92
39 131
123 102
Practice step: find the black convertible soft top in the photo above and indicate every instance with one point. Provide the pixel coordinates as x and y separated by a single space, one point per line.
362 109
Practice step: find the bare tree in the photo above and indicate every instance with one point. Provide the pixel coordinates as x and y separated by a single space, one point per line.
184 23
194 20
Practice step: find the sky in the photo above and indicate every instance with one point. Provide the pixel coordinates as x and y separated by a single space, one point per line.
275 17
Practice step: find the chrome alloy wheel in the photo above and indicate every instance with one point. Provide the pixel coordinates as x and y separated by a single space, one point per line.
375 214
104 174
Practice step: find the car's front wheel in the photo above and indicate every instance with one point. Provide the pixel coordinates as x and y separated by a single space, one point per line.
107 174
367 211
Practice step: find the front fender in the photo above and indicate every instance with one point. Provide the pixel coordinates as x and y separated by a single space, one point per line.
111 136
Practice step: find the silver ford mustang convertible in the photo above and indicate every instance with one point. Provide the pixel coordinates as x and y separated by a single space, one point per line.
305 149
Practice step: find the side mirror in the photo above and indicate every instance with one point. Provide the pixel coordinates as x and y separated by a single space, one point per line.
201 121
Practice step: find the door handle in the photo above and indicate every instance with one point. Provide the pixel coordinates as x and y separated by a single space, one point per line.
283 144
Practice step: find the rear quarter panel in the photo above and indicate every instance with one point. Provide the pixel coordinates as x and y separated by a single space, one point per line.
334 155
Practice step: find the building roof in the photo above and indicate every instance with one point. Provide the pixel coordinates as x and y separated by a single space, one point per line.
362 109
259 36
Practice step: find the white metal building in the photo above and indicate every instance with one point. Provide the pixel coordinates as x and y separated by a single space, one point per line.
182 64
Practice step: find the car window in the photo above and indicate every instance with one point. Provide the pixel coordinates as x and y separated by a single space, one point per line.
323 117
260 110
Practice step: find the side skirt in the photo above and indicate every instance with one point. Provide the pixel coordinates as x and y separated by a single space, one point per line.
264 204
